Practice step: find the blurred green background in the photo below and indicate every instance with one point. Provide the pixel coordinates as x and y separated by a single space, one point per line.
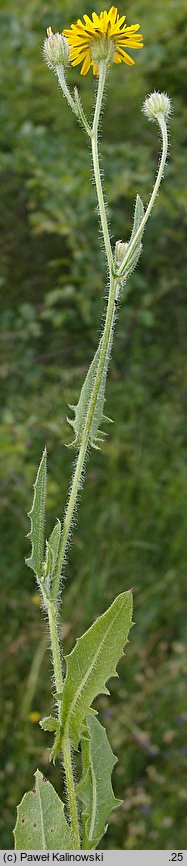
131 525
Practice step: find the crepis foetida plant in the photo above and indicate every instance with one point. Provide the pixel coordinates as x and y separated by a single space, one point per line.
42 823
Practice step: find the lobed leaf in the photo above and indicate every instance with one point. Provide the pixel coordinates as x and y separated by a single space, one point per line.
41 823
95 788
92 662
37 519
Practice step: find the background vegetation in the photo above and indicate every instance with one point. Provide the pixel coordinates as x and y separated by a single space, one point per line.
131 527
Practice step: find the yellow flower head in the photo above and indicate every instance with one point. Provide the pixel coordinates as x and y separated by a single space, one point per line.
102 38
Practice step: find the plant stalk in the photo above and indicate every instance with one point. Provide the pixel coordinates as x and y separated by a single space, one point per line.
102 366
131 247
95 156
51 607
71 792
55 649
65 88
105 339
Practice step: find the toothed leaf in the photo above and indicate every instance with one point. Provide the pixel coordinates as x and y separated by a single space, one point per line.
37 519
95 788
41 823
81 409
92 662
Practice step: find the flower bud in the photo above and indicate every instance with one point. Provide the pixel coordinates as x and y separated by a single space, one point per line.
56 49
155 104
120 250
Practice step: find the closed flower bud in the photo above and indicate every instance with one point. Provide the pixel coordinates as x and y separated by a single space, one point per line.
56 49
120 250
155 104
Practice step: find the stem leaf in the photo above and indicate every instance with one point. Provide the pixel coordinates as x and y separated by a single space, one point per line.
138 217
81 409
136 252
41 823
51 555
37 519
95 788
133 261
92 662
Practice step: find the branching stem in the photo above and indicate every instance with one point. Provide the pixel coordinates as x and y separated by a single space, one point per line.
52 607
132 245
105 339
52 604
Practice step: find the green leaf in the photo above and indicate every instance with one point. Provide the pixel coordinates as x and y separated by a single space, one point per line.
57 745
52 548
48 566
133 261
136 252
54 540
138 217
81 408
92 662
37 518
49 724
95 788
41 823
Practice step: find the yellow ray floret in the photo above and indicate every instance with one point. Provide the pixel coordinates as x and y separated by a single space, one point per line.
103 38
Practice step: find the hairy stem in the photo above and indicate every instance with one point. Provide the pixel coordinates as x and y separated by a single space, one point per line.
71 792
105 339
95 156
75 104
138 234
65 88
55 649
